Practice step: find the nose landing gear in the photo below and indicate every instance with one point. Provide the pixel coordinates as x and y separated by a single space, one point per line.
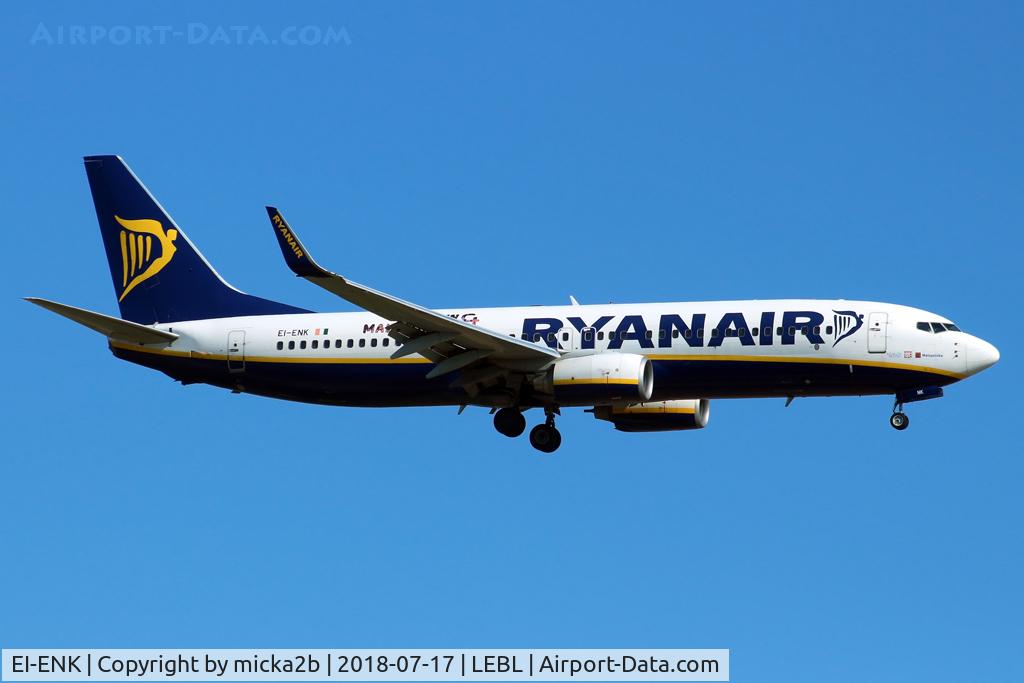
899 420
545 437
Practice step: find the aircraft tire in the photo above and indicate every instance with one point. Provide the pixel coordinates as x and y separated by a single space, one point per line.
509 422
899 421
545 439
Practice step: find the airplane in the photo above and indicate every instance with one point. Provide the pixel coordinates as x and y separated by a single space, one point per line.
641 367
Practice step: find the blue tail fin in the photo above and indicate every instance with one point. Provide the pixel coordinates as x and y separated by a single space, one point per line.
159 275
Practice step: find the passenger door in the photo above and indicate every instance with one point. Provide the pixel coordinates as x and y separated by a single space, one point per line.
236 351
878 329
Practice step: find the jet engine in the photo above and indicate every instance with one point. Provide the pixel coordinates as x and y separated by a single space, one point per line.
657 416
599 378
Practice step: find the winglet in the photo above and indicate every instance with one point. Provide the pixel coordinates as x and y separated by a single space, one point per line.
295 254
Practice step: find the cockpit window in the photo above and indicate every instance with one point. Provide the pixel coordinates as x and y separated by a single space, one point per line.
935 328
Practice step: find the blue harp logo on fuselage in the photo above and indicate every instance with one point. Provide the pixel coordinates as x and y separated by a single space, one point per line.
846 323
145 249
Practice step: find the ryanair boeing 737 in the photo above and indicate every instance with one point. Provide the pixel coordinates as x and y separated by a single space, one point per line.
642 367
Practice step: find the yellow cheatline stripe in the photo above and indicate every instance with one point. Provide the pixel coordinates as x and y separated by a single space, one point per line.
410 360
826 361
659 411
560 382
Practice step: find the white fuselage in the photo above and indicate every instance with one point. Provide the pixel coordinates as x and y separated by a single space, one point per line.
796 336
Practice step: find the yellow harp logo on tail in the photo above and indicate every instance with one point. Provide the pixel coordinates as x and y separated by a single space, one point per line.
141 259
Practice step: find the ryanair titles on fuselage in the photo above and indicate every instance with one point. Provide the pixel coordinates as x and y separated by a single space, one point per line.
694 329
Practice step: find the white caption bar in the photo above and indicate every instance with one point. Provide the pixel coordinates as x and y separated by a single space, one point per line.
365 665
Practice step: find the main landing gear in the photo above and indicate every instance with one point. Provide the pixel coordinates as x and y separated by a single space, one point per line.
544 437
510 422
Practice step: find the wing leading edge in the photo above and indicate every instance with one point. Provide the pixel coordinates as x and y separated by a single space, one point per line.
451 343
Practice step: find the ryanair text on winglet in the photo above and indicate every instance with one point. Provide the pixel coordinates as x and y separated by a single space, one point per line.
287 234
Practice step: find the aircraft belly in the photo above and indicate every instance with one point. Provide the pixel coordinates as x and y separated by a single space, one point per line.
678 379
404 384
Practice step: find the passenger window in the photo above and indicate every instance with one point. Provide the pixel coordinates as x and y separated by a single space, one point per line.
687 334
754 332
315 343
565 336
767 331
280 345
778 332
792 331
611 336
302 344
662 334
349 343
387 340
714 333
675 334
817 329
828 330
924 327
650 334
600 335
337 343
373 342
291 345
362 343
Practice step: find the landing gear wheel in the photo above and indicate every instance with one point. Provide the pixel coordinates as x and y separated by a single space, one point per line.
510 422
545 438
899 421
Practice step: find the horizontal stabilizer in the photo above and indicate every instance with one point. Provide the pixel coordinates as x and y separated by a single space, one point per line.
114 328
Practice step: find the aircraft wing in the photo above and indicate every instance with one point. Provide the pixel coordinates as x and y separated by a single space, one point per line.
450 342
114 328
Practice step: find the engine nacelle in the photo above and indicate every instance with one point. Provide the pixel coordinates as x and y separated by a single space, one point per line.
600 378
657 416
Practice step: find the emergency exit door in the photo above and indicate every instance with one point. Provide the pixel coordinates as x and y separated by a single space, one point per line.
878 329
236 351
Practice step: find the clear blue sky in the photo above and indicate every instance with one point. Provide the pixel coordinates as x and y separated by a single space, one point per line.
471 154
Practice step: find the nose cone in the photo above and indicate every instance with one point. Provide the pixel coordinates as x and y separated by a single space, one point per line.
979 355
